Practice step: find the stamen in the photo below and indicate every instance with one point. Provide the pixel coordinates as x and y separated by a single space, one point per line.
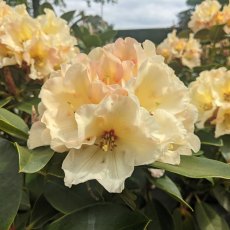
108 140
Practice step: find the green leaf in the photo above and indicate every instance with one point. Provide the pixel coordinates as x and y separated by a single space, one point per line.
167 185
54 166
208 219
66 199
203 34
217 33
207 138
102 217
13 124
25 201
225 149
183 220
45 5
10 185
160 216
31 161
68 16
5 101
223 197
42 213
197 167
26 106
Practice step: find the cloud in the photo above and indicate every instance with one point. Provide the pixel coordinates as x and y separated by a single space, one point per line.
135 13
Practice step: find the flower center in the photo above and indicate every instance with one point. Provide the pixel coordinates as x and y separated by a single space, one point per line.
207 106
227 96
108 140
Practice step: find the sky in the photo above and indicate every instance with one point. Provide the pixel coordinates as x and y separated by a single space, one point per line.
134 14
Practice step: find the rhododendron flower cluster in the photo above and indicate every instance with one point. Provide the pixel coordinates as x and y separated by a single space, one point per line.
117 107
208 14
43 43
188 51
210 93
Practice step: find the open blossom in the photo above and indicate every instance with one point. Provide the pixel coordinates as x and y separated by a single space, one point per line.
208 14
112 111
169 103
122 140
210 93
186 50
43 43
204 15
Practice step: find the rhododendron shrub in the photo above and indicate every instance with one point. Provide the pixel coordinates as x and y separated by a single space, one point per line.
107 139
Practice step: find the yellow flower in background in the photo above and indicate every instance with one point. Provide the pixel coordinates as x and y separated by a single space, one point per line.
43 43
192 53
210 93
188 51
226 16
204 15
222 121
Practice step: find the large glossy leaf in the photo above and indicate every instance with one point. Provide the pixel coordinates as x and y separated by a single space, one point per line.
197 167
26 106
158 215
5 101
222 194
183 220
10 184
102 217
31 161
208 218
208 138
42 213
66 199
225 149
13 124
167 185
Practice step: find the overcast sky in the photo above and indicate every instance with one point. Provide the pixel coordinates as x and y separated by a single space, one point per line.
128 14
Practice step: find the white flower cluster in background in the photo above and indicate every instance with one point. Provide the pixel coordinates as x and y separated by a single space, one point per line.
118 107
210 93
42 43
188 51
208 14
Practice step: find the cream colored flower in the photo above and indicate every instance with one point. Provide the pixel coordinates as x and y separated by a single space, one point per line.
192 53
210 93
226 18
168 101
62 96
222 121
43 43
129 50
203 97
121 131
186 50
204 15
157 87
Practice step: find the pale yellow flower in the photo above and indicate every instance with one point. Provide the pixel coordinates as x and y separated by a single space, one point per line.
222 121
62 96
204 15
226 18
167 99
43 43
203 97
192 53
129 50
121 131
186 50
